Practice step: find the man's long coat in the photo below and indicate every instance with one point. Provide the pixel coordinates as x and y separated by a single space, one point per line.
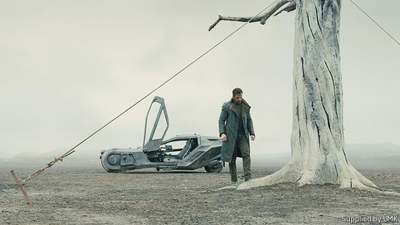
229 124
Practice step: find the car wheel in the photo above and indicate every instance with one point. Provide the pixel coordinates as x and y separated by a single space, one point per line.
214 168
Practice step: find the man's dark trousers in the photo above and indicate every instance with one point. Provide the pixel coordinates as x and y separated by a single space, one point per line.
242 145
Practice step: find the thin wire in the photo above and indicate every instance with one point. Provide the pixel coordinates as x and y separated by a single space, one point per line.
376 22
72 150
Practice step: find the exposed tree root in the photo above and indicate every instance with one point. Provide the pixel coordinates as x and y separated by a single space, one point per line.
284 175
352 179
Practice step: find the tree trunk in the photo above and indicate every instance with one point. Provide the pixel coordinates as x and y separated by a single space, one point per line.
317 142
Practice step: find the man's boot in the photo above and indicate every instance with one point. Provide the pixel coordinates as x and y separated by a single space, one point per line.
233 171
247 167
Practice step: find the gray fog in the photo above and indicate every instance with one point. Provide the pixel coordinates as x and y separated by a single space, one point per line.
67 67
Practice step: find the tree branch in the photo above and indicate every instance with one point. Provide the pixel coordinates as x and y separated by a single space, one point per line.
290 6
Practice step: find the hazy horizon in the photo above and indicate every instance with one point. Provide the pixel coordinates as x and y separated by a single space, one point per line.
362 156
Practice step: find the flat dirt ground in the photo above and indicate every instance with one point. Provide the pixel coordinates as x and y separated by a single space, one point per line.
92 196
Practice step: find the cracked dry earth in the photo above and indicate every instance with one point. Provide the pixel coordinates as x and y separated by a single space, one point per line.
92 196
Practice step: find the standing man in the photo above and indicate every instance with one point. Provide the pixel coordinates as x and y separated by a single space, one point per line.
235 127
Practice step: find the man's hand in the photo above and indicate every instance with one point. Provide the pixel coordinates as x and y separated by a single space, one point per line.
223 137
253 137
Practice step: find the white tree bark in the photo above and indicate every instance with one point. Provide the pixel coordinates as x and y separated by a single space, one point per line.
317 141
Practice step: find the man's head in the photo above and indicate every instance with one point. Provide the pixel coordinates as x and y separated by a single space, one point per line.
237 95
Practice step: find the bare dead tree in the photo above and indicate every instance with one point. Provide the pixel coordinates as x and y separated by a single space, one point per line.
317 141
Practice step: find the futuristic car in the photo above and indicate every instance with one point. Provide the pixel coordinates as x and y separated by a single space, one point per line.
182 152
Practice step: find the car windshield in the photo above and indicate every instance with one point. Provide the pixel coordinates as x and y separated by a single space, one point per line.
180 146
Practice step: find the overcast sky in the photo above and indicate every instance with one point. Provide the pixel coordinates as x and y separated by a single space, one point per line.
67 67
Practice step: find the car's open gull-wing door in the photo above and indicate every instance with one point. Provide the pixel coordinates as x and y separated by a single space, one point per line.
157 132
